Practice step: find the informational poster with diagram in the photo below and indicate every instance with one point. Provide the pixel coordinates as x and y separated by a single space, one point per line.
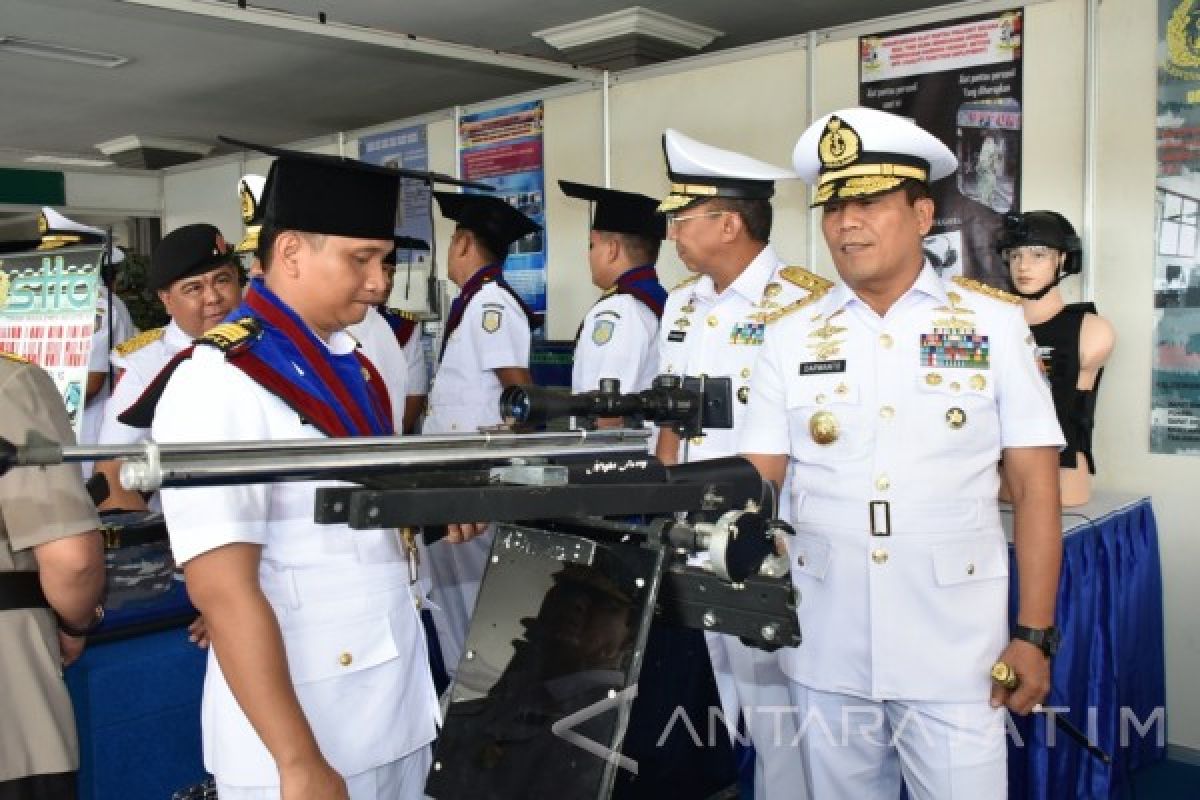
961 81
1175 392
48 313
503 147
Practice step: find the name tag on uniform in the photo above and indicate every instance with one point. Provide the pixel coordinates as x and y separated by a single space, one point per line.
676 336
822 367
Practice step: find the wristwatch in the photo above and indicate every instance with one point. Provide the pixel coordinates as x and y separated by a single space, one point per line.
77 633
1045 639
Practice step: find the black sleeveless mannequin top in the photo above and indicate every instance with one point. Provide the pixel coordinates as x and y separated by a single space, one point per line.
1058 348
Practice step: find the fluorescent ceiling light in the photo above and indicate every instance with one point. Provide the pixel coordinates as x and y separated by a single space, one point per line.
58 52
69 161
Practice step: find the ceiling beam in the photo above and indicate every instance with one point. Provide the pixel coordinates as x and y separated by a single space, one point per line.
281 20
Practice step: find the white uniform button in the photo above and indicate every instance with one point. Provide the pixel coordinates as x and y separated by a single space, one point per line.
883 483
887 412
879 556
820 398
970 569
885 340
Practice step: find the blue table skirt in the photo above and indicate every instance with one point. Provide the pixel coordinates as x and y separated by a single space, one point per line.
1110 670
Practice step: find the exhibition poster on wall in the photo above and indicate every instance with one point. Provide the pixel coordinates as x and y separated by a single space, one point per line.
1175 392
407 148
961 81
48 313
503 147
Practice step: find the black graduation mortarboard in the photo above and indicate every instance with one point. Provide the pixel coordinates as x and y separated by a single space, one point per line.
495 221
405 243
187 251
620 212
318 193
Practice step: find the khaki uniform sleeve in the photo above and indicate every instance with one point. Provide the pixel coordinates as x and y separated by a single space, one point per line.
39 504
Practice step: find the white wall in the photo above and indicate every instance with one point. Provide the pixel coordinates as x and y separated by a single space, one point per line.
757 106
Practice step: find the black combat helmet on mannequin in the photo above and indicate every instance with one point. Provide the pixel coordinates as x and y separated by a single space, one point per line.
1041 229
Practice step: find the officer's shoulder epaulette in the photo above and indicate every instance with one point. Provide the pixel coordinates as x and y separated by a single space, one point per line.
135 343
13 357
799 276
411 316
230 336
982 288
688 281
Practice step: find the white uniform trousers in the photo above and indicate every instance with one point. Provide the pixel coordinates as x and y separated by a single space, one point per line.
455 572
750 681
854 748
400 780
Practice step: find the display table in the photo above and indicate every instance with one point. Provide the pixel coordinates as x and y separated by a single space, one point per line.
136 693
1110 670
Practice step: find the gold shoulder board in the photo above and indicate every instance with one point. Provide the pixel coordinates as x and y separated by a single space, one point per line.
13 357
990 291
799 276
411 316
228 335
688 281
135 343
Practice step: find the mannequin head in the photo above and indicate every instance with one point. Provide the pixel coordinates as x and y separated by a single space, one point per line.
1040 248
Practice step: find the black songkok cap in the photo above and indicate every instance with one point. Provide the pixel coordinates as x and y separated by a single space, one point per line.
620 212
187 251
489 217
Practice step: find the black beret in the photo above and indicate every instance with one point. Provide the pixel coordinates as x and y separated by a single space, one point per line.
187 251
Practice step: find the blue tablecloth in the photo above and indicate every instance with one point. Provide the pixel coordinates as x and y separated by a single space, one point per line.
1110 670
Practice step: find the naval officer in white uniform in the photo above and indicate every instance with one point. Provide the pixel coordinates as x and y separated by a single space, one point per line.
485 347
894 397
719 216
618 338
319 682
195 274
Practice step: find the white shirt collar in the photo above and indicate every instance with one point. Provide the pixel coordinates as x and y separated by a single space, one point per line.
752 280
927 283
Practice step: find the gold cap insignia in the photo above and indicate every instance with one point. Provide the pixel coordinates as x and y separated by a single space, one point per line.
839 145
43 225
249 204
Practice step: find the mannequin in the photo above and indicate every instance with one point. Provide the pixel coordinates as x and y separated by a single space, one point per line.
1040 248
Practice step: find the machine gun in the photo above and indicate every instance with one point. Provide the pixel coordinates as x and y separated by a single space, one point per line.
595 541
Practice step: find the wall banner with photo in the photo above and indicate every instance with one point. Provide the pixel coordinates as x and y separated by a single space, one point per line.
961 81
503 147
48 313
1175 392
407 148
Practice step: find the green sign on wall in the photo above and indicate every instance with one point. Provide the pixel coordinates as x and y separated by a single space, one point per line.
32 187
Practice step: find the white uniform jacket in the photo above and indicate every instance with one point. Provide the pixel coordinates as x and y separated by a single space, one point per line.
704 333
895 426
137 362
494 333
355 647
618 339
379 345
102 343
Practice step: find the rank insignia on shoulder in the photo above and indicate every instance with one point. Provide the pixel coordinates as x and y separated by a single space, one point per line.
688 281
982 288
602 332
232 338
491 320
135 343
13 357
411 316
799 276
